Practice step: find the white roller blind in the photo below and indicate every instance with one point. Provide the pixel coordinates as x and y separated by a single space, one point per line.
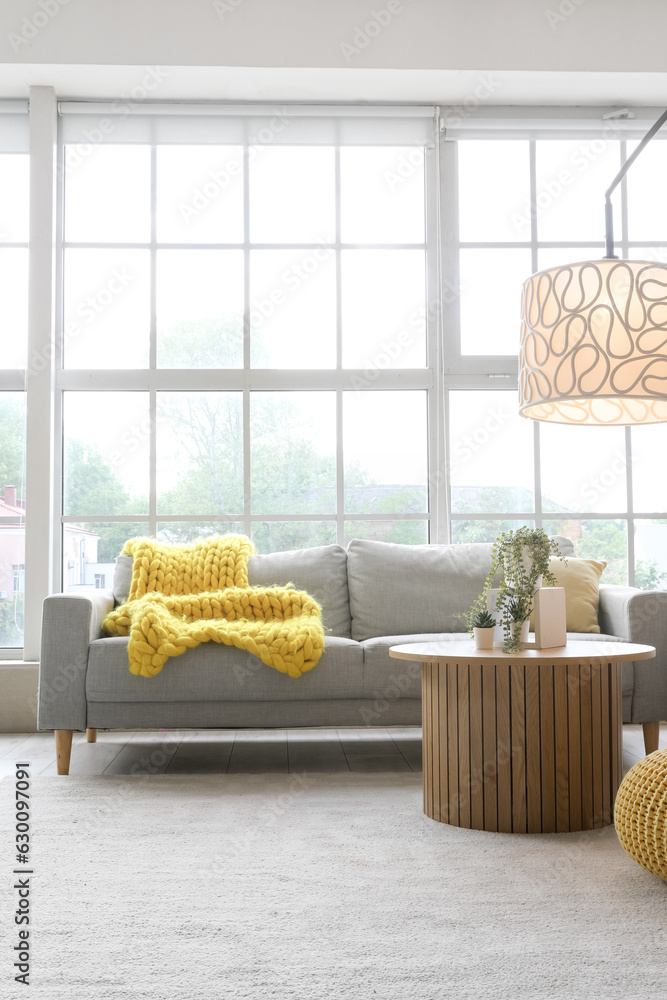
14 129
279 124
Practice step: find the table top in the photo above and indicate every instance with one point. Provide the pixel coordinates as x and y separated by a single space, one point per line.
577 651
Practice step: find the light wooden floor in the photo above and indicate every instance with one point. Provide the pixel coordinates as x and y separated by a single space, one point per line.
257 751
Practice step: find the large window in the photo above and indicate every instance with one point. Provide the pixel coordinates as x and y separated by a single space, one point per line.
302 324
253 318
525 205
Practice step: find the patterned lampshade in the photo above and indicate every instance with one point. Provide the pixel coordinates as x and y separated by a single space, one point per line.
594 343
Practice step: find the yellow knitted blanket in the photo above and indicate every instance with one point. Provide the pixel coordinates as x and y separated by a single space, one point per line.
181 596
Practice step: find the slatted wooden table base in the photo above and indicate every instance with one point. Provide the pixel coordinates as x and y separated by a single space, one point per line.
522 743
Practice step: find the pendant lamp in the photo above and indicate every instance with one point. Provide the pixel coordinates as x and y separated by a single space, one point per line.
594 336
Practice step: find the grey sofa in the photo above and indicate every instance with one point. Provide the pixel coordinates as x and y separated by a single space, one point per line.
374 595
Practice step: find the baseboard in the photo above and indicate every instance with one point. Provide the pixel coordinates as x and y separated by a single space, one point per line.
18 704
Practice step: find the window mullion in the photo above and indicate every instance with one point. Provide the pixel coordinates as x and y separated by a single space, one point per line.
631 507
39 376
247 506
340 398
438 497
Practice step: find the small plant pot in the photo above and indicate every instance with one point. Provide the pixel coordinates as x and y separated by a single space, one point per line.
484 638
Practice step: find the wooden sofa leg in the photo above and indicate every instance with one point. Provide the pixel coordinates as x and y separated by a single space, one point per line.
63 749
651 736
91 735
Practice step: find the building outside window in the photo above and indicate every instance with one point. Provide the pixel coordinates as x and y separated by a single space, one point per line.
12 569
18 579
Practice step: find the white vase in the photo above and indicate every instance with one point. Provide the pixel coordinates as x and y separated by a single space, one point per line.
550 617
484 637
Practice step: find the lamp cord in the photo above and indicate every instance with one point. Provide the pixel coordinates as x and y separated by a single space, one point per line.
608 213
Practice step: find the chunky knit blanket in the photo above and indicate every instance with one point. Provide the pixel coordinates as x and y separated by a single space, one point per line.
181 596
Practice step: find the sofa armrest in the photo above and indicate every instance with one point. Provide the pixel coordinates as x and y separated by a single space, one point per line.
70 622
640 616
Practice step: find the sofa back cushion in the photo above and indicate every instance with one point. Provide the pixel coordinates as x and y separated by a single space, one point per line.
409 589
320 571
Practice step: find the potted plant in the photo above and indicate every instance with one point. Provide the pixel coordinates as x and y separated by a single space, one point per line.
483 628
524 557
521 559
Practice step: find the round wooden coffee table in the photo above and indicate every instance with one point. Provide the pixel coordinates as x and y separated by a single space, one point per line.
527 742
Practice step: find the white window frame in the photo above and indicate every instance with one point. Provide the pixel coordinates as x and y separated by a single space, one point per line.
325 124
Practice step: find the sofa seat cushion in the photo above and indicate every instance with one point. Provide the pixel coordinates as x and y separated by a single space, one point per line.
386 677
213 672
593 637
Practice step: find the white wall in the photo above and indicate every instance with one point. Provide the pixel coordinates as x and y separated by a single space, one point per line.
613 35
71 44
18 705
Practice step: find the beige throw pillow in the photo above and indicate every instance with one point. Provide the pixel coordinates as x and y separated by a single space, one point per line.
581 580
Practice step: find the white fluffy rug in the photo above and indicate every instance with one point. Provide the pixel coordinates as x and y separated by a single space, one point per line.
332 886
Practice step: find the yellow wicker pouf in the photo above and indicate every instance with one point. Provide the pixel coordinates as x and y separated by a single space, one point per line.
640 813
